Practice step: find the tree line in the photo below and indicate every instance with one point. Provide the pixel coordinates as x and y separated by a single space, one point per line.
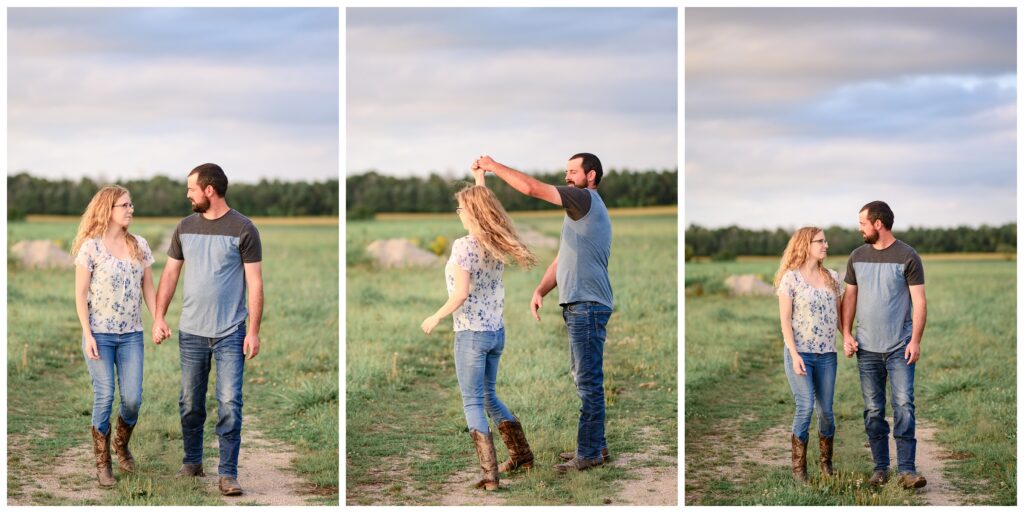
162 196
729 242
372 192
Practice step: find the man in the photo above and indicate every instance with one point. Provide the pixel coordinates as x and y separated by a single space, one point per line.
885 287
223 251
580 271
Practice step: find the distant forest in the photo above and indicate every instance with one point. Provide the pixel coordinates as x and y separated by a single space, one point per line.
369 193
162 196
730 242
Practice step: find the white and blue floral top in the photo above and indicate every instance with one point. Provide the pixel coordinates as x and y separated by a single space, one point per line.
814 312
115 287
483 309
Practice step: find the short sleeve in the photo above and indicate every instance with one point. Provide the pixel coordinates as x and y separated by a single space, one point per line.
851 275
87 255
462 254
913 270
147 254
249 244
174 250
575 201
787 286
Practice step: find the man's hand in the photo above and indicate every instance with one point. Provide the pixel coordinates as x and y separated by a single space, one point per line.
429 324
535 303
912 353
251 346
849 345
160 331
485 162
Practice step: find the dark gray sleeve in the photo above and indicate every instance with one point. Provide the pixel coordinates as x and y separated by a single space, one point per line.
575 201
174 250
851 276
249 244
913 271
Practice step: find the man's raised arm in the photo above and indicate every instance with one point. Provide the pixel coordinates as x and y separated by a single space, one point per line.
520 181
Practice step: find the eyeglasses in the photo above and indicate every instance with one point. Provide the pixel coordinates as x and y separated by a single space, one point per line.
125 205
819 241
458 210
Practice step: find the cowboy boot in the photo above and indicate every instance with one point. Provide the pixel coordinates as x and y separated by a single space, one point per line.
519 453
799 459
825 455
122 435
101 449
488 460
569 455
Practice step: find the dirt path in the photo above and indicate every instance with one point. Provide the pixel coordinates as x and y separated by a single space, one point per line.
263 468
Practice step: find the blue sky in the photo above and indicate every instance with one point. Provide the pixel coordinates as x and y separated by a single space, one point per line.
431 89
135 92
801 116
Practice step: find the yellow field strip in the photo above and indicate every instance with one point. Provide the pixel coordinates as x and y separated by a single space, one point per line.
276 221
614 212
930 257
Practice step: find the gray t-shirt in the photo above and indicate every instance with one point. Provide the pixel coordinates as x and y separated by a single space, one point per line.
884 308
214 252
584 249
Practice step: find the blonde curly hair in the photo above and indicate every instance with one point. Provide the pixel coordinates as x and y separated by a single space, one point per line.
487 220
96 219
796 254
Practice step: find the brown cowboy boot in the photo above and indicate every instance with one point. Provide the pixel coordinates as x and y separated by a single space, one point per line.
519 453
825 455
799 459
229 486
101 449
568 455
488 460
122 435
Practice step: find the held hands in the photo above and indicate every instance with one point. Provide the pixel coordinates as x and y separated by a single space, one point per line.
912 353
484 162
535 303
160 331
429 324
798 365
91 351
251 346
849 345
478 174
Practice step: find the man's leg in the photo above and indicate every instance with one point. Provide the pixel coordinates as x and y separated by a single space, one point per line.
901 381
586 326
194 352
871 367
229 357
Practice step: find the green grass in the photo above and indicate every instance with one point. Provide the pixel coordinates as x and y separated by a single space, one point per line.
404 410
965 386
291 387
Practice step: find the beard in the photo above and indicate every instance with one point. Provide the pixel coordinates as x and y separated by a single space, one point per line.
200 208
576 185
870 239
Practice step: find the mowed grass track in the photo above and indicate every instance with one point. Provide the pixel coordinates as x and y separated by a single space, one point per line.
405 430
965 387
291 388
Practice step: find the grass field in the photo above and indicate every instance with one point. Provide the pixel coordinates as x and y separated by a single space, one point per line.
406 435
291 387
965 386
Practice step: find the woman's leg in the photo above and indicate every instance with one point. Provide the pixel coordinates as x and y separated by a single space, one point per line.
496 409
824 390
130 351
102 373
470 367
803 397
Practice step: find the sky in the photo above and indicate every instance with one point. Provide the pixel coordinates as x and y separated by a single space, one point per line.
801 116
430 90
131 93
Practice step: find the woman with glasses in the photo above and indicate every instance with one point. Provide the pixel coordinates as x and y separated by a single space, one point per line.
476 297
809 302
112 278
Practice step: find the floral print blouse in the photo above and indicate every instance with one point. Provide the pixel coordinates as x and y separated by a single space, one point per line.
115 286
483 309
814 312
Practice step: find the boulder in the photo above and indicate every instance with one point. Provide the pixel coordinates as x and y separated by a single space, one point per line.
391 253
41 254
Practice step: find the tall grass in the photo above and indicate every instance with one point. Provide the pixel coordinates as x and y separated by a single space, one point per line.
290 389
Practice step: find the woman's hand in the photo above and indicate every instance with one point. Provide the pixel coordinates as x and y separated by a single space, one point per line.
429 324
91 351
478 175
798 365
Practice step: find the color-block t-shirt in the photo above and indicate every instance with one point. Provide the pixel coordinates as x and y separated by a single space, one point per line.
584 248
214 252
884 308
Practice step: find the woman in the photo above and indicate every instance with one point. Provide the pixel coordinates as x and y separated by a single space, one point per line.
809 302
112 277
476 298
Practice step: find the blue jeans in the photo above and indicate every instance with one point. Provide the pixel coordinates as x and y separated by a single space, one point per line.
586 323
196 353
874 368
476 365
120 355
817 386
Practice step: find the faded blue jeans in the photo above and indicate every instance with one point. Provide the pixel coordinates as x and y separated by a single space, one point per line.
196 353
818 386
874 368
586 322
477 354
121 357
